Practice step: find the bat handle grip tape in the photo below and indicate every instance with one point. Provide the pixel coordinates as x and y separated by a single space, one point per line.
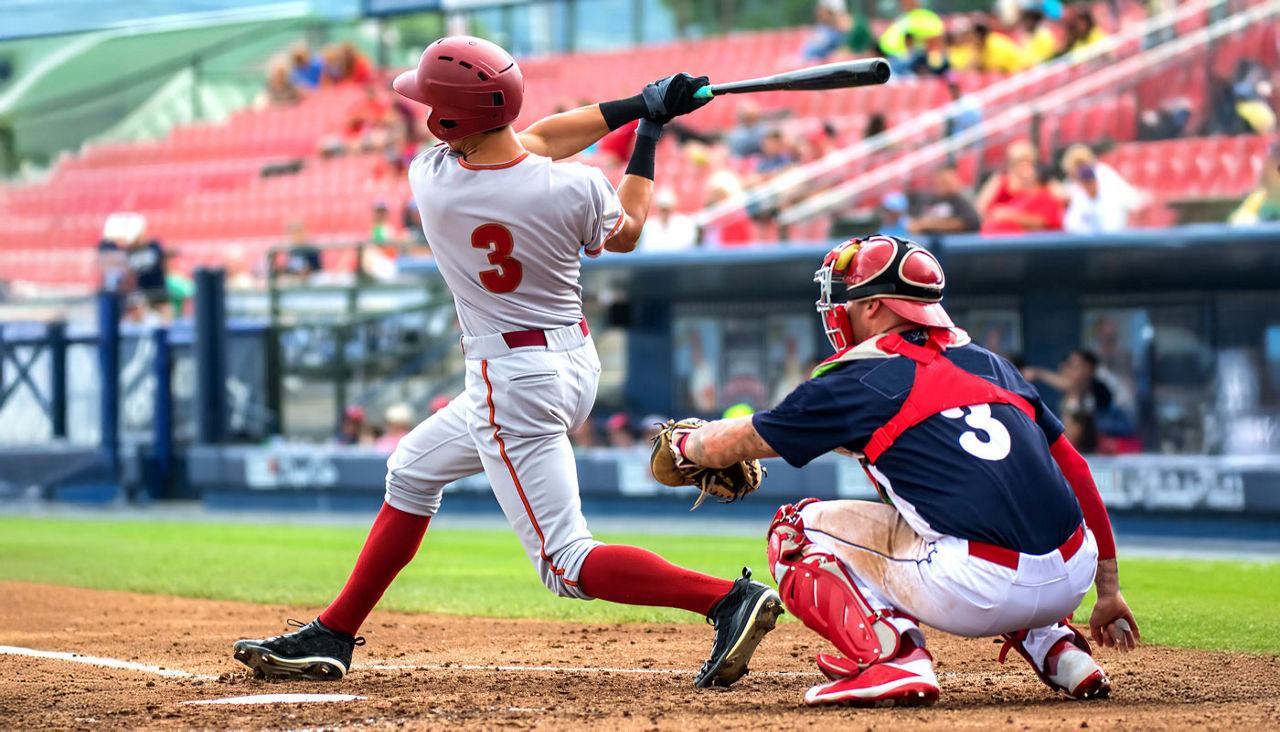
703 92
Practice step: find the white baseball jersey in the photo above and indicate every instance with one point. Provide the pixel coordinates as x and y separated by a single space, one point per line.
508 238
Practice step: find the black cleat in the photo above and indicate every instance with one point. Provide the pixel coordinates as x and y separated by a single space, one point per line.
311 652
741 619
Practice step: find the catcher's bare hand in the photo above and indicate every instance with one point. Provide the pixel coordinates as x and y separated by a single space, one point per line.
1111 623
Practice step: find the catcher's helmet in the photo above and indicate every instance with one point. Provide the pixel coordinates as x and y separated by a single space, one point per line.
471 85
903 274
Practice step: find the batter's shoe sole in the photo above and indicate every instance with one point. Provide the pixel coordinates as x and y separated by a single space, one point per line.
313 652
741 618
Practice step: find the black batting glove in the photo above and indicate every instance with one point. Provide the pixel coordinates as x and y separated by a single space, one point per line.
673 96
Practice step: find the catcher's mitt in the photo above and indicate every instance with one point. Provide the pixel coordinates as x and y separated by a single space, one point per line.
670 466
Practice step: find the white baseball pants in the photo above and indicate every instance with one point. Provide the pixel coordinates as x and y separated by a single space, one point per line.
939 583
512 421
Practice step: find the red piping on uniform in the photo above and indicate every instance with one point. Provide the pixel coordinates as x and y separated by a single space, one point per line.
502 449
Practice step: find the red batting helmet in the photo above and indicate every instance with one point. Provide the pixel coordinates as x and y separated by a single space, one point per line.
471 85
902 274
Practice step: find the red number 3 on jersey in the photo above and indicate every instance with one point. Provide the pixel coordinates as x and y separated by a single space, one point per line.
507 271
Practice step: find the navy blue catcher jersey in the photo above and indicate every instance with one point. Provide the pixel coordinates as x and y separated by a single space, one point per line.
982 472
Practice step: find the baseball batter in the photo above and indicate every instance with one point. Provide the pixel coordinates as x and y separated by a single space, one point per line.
991 523
508 226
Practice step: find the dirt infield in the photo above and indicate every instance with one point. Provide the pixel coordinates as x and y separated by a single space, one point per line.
424 682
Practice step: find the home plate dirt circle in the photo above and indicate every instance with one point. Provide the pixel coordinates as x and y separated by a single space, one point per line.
279 699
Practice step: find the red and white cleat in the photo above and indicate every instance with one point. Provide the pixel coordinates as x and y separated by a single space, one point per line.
1074 673
905 681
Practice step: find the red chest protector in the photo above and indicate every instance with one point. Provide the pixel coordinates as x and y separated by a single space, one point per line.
939 385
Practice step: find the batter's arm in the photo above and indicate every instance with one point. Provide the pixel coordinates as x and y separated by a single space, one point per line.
566 134
726 441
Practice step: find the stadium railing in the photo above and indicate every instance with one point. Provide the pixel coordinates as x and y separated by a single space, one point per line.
1015 90
1019 120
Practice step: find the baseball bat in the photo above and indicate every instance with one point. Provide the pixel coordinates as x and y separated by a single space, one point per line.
839 75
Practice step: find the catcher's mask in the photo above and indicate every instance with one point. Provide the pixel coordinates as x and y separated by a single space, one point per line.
471 85
901 273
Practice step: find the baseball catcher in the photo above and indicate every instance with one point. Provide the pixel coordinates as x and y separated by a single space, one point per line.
990 524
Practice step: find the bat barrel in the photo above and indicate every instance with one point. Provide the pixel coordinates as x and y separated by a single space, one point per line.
840 75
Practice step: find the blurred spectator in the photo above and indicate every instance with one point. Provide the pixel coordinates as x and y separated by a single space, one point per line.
859 41
411 220
1039 42
1082 31
931 58
585 435
947 210
1081 430
1166 122
379 261
383 230
666 230
143 276
651 425
368 120
775 156
994 51
438 402
965 112
1099 199
909 32
352 429
619 431
305 68
280 90
399 421
1263 205
1037 208
746 137
1084 396
302 259
832 23
876 123
240 272
1018 199
343 63
1252 91
735 228
616 146
893 215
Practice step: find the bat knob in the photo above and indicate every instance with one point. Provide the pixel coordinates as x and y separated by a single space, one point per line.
703 92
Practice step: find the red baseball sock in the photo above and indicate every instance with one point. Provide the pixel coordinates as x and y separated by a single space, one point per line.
635 576
393 540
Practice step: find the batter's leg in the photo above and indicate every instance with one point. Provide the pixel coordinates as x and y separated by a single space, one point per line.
437 452
523 443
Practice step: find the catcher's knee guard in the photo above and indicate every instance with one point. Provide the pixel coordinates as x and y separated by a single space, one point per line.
817 589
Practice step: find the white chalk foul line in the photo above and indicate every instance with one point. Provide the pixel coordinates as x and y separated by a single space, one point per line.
171 673
180 674
569 669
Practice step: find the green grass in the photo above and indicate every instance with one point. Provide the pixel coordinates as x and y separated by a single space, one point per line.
1199 604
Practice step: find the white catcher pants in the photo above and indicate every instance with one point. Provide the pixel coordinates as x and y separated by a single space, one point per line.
942 585
512 422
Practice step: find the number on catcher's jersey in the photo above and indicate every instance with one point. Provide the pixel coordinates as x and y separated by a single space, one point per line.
507 272
994 442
